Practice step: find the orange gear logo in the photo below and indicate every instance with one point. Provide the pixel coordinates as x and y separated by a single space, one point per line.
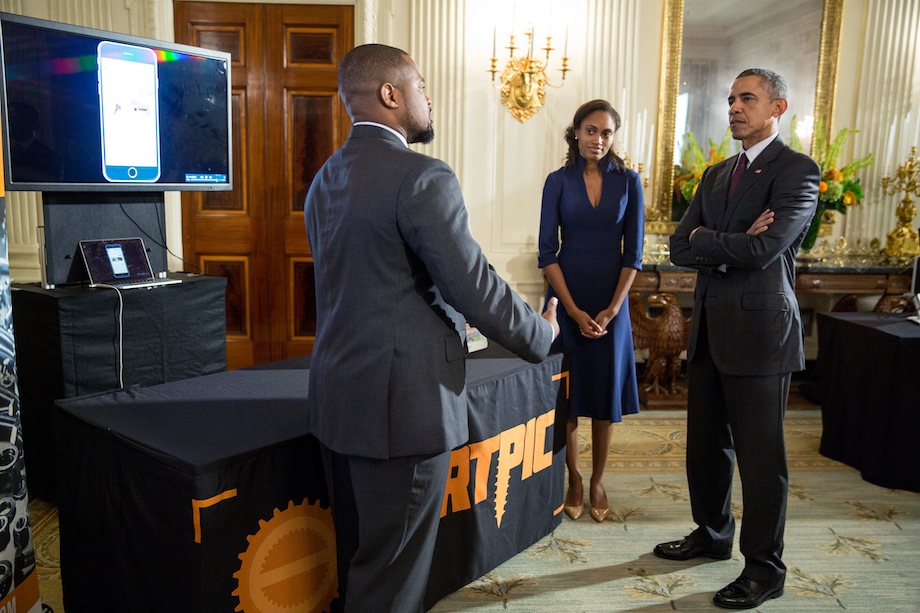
290 563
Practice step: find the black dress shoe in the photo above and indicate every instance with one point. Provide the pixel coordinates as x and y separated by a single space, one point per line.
686 549
744 593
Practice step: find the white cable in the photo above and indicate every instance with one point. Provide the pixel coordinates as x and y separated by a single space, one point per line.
121 344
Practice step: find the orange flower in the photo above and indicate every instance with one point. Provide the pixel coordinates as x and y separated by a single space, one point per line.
822 187
834 175
849 198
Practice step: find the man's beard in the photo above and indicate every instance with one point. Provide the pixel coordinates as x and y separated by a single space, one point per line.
422 137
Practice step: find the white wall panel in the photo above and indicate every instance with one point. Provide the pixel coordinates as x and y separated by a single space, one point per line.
614 50
881 90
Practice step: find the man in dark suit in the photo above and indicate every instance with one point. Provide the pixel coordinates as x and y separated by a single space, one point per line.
745 339
397 277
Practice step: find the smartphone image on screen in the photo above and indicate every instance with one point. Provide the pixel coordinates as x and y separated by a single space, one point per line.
128 114
117 260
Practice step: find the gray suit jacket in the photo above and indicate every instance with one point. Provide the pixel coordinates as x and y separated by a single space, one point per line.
751 310
397 276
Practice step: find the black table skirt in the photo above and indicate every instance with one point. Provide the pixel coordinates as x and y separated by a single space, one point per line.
67 345
869 366
179 493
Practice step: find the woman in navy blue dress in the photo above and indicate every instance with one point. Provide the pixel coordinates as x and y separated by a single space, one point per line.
591 234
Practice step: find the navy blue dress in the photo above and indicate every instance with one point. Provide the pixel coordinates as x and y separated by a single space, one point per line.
591 245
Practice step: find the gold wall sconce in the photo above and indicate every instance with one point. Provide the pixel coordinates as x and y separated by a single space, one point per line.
903 242
524 80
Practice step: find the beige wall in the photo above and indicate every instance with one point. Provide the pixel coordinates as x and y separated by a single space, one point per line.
614 48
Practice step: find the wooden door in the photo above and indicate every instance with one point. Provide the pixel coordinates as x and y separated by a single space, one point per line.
287 119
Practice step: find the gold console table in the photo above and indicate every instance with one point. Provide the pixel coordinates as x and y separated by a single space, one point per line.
895 281
848 282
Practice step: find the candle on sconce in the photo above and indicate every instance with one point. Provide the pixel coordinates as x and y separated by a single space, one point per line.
908 132
651 143
640 133
624 141
889 149
636 149
526 75
565 52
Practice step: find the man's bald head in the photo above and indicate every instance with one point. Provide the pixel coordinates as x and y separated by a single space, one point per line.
383 84
363 70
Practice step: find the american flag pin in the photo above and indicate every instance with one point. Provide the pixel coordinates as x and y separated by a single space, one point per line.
757 172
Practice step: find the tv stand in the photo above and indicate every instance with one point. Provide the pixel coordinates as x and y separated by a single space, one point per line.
71 217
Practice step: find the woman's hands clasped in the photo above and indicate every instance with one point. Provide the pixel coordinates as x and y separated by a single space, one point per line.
591 328
604 318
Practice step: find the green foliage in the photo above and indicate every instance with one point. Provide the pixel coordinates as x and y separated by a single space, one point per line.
839 187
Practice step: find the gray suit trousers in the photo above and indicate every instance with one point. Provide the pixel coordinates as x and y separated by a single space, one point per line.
381 568
729 417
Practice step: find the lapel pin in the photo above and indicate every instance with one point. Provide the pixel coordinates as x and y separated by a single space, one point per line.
757 172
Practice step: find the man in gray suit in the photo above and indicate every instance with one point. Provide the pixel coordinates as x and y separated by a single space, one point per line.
745 339
398 275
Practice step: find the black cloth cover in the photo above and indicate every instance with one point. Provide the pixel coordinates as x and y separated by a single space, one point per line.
208 495
67 342
869 367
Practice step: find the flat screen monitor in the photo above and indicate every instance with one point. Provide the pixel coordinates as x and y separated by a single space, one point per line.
89 110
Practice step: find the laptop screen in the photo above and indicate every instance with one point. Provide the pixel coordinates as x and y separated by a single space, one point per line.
116 261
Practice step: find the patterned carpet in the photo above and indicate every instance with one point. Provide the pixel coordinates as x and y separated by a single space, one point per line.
46 536
850 545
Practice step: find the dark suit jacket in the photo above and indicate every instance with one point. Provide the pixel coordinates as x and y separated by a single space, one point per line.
397 276
751 310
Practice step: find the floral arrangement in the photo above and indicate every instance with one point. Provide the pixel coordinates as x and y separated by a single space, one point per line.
839 187
693 162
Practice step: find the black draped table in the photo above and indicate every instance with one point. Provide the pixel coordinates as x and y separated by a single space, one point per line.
869 366
208 495
75 340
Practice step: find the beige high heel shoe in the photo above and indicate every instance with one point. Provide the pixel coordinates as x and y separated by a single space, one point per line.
574 511
599 515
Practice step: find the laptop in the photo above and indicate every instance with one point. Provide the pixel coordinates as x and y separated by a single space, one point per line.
120 262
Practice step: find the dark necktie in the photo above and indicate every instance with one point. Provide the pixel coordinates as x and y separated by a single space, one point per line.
736 176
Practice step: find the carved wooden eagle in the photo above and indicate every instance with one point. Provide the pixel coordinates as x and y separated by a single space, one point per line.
665 337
